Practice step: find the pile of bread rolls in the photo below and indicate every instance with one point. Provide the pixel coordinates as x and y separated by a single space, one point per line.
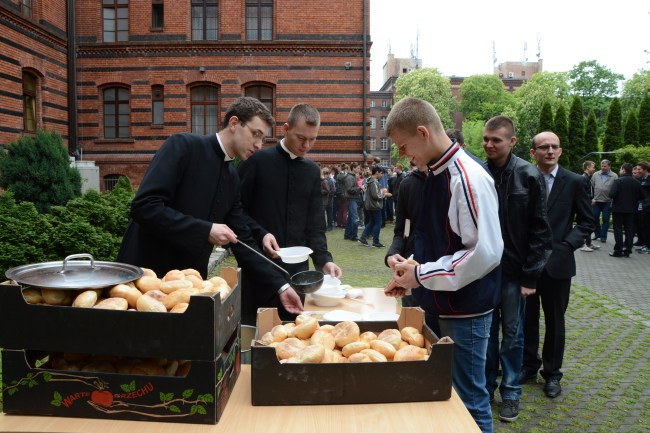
148 293
305 341
69 361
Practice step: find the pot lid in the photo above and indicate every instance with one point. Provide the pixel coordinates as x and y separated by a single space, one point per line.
74 274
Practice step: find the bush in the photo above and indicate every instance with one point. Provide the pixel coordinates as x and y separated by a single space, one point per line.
631 154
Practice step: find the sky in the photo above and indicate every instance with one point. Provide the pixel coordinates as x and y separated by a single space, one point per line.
457 37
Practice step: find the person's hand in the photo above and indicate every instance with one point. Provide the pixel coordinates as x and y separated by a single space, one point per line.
332 269
221 234
291 301
593 201
404 275
527 291
391 261
392 290
270 246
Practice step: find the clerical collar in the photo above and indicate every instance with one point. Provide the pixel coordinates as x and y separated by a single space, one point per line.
287 150
226 158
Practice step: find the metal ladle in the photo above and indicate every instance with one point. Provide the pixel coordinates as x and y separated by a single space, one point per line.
304 282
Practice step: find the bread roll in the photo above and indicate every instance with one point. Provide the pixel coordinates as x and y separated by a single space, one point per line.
326 328
383 347
33 296
279 333
98 367
112 304
197 282
56 296
219 283
374 355
148 272
173 275
354 347
323 338
147 283
178 296
412 336
392 336
156 294
409 353
129 293
311 354
267 339
86 299
184 368
150 305
171 368
192 272
288 348
305 329
180 308
148 368
173 285
359 357
345 333
368 336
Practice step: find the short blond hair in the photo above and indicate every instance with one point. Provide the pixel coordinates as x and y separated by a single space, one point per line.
409 113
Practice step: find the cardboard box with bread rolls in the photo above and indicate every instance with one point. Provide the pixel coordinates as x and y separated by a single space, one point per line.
277 383
205 336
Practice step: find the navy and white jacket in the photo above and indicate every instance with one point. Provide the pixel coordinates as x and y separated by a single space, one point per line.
458 238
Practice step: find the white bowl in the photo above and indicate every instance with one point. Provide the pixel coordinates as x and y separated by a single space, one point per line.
330 282
326 300
294 254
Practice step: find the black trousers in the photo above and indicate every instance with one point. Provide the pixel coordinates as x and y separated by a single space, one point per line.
554 297
623 226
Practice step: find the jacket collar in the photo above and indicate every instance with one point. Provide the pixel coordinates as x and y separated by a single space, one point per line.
448 156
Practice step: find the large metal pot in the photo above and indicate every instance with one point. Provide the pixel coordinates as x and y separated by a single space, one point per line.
71 274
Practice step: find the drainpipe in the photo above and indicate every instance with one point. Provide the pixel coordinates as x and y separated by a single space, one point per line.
365 85
72 78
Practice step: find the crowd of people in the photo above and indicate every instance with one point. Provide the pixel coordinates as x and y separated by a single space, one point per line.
480 246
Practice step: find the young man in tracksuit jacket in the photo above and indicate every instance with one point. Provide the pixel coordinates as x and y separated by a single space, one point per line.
457 243
527 246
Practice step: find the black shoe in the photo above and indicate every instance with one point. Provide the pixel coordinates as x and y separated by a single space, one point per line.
617 254
378 245
594 238
509 411
527 376
552 388
637 244
363 242
603 240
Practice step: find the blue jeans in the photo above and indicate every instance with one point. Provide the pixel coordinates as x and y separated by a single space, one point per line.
353 220
605 208
470 336
373 225
510 315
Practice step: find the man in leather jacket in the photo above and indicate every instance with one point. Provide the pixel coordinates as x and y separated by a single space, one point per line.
527 242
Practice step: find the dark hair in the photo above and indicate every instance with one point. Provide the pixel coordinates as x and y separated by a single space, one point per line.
375 169
304 111
501 122
455 135
245 108
587 164
627 168
644 165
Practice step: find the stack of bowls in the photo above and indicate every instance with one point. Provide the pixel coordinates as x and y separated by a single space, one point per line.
330 294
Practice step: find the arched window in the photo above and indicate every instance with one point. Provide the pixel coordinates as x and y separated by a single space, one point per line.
116 112
265 94
204 110
30 89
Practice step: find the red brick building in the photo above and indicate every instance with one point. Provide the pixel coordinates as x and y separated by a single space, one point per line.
144 70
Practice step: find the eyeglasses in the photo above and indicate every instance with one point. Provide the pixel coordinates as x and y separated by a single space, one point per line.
257 134
546 147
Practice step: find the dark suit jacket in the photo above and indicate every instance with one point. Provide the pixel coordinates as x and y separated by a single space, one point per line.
567 201
625 193
187 187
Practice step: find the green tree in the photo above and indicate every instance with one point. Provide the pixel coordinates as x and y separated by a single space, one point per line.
428 84
631 131
37 169
562 132
546 118
576 131
613 138
483 96
595 84
591 134
634 90
473 133
529 98
644 120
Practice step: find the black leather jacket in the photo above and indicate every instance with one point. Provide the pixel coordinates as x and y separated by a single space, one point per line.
527 236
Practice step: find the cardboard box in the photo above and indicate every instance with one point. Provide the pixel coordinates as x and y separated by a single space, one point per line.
275 384
198 398
127 333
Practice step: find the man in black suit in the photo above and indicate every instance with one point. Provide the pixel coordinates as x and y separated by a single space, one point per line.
567 200
189 199
626 192
281 191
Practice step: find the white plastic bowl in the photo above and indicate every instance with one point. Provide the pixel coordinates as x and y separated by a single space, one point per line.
330 283
294 254
327 300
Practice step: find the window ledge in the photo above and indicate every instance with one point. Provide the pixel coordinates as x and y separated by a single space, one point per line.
157 126
115 141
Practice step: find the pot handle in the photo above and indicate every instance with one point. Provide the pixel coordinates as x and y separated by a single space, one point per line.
77 256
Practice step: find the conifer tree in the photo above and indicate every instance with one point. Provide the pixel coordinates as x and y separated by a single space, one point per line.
644 120
562 132
545 118
631 131
613 138
577 129
591 133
